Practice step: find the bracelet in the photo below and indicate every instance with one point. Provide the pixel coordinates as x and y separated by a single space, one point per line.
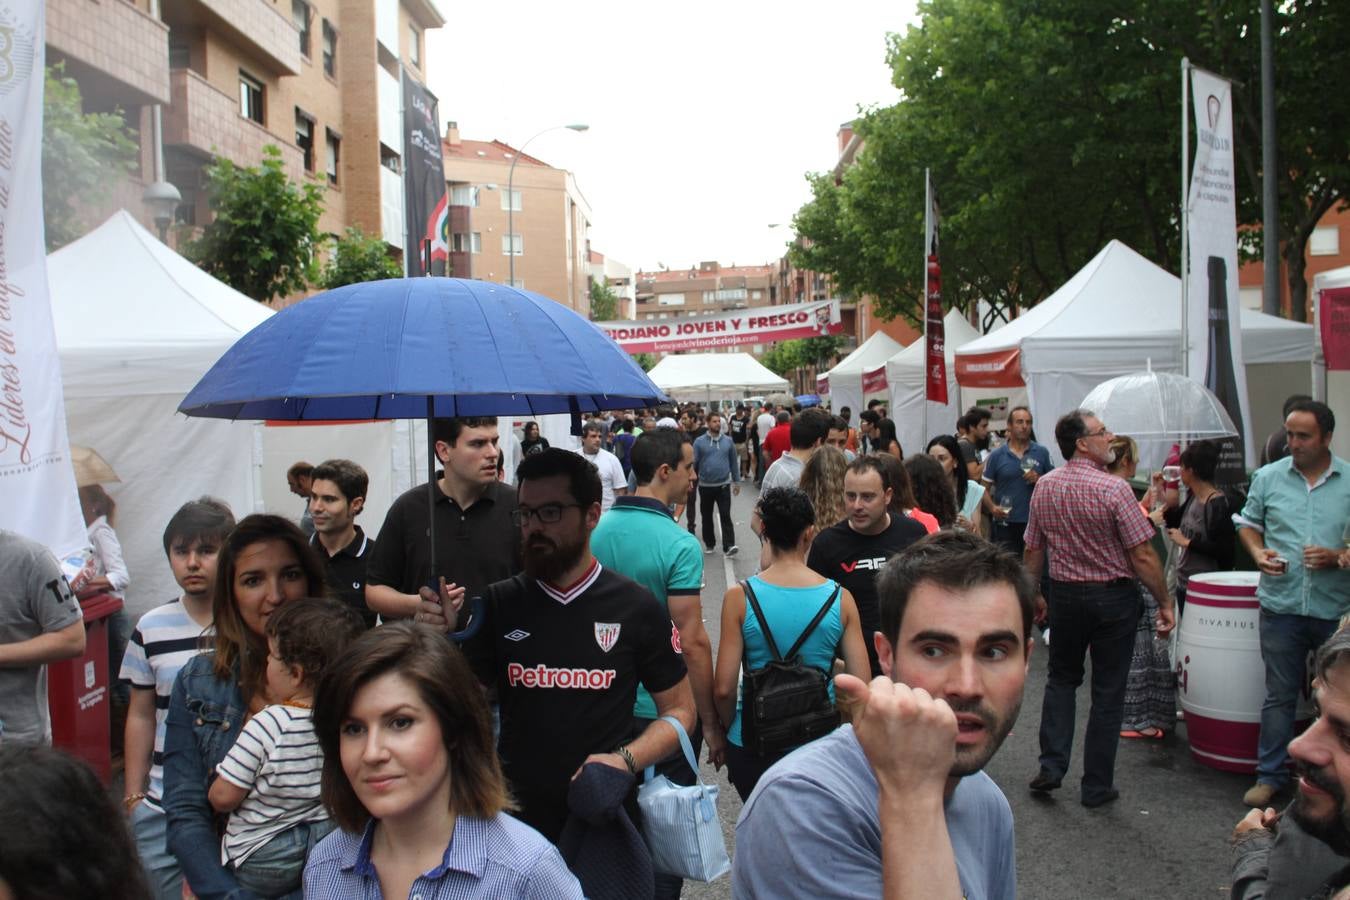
628 759
131 800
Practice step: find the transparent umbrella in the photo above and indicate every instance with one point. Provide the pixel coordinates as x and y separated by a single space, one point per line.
1160 406
90 468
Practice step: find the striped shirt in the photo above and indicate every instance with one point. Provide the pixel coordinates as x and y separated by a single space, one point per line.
278 761
165 638
1089 519
485 860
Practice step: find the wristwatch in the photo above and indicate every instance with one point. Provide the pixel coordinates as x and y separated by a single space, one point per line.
628 759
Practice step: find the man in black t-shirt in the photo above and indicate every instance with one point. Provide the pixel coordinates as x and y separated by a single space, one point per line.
853 552
566 644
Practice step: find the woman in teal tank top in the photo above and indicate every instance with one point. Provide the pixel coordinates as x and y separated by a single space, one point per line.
790 594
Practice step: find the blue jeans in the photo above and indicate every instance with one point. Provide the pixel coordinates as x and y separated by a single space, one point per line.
149 826
1286 641
275 868
1088 618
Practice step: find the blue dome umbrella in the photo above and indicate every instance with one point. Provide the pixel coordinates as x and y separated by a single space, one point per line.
407 348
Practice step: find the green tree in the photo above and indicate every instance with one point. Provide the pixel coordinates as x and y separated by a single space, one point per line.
264 237
604 302
84 155
788 356
1051 127
359 257
645 360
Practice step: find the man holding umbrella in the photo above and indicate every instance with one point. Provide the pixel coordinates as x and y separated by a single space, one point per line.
477 543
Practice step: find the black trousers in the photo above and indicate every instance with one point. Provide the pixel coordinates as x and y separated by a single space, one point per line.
1100 619
721 496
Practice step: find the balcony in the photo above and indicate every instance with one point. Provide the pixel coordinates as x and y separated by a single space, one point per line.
207 121
255 25
119 54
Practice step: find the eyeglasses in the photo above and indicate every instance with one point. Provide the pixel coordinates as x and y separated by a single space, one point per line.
1098 433
547 514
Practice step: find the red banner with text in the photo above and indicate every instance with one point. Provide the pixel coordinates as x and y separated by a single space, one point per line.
1333 315
756 325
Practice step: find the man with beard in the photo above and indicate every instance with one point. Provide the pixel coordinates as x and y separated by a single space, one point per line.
897 800
1099 542
566 643
1276 856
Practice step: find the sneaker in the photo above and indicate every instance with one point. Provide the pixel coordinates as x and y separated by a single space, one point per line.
1101 799
708 550
732 550
1044 782
1259 795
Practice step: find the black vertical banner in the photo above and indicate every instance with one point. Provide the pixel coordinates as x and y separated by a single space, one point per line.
426 205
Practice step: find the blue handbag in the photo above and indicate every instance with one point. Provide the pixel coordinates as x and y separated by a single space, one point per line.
680 823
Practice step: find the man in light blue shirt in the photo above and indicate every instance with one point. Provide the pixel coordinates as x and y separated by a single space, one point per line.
719 476
1293 526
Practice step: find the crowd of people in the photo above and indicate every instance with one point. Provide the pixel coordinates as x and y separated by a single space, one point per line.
322 713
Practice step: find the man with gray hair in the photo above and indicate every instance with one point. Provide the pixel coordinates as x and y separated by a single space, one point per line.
1273 854
1099 542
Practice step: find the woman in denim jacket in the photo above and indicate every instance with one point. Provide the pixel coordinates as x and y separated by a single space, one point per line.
264 562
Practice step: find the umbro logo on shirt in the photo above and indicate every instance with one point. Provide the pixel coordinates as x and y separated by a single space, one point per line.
874 564
516 635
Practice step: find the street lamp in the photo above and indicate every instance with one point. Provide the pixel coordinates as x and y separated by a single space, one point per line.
163 199
511 194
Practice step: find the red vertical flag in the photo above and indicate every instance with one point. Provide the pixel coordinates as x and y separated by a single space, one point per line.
935 361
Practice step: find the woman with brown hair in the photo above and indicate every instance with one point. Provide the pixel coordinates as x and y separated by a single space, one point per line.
1150 688
412 779
263 563
823 482
902 493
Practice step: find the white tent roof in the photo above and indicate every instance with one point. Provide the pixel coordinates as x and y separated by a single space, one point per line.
1332 278
132 316
703 374
906 384
907 366
1116 314
867 356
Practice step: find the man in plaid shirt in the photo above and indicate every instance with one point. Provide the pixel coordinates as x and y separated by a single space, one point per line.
1098 538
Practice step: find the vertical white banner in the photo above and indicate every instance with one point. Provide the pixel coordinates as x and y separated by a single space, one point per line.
1213 315
37 482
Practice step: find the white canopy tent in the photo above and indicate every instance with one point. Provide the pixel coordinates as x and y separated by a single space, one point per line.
136 327
907 385
709 376
845 380
1329 385
1121 314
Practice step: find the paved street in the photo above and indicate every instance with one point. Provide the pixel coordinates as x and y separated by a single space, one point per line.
1165 837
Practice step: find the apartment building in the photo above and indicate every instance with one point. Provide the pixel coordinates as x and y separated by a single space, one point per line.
536 217
708 287
618 277
1328 248
319 79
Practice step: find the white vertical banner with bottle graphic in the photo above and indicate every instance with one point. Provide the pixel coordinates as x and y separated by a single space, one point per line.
1213 315
36 478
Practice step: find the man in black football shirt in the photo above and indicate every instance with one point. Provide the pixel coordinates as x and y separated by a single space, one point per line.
853 552
567 642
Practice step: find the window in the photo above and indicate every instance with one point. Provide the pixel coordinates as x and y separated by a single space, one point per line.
519 284
511 200
755 295
463 195
250 97
304 137
389 159
1324 241
180 51
334 146
471 243
670 299
300 15
513 245
329 49
414 45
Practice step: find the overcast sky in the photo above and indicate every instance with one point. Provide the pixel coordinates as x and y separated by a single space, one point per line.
704 116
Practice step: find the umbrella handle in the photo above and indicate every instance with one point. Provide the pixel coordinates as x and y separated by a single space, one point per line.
477 606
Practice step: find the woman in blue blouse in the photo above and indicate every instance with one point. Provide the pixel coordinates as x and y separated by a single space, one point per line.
790 594
412 779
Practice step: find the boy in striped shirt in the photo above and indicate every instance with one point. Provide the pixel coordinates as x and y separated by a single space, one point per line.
269 780
165 638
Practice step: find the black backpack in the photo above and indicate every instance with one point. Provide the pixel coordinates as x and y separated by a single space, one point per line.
785 703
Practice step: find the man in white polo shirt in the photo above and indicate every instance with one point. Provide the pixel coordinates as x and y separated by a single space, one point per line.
613 483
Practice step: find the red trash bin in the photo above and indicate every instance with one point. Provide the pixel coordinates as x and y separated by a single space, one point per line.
78 691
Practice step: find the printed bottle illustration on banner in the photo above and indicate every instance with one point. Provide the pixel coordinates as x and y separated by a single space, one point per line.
1219 375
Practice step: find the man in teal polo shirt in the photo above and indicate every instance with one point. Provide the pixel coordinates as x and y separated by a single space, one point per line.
640 538
1293 525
